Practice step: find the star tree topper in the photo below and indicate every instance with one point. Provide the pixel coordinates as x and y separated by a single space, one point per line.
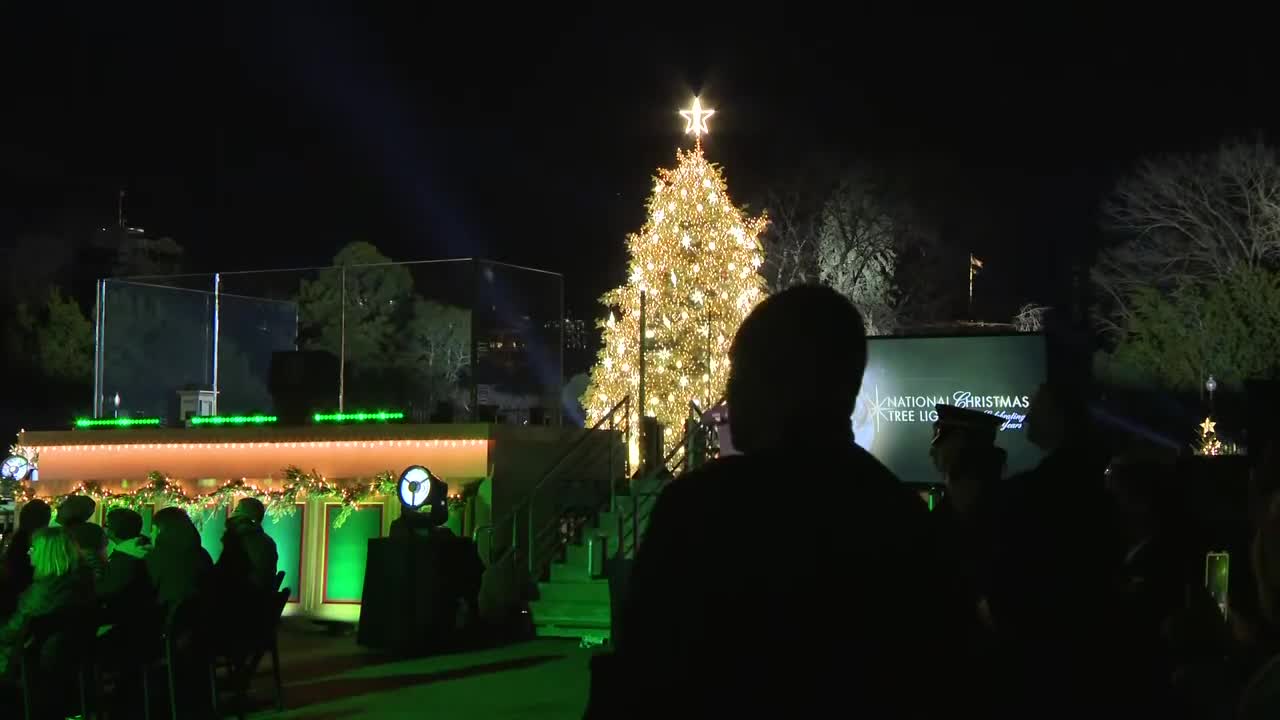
696 119
1207 426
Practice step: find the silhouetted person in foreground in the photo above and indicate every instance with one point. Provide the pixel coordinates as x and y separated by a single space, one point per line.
1049 584
18 572
1261 695
964 452
797 577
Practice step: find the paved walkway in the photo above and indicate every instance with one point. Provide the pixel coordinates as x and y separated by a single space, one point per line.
330 677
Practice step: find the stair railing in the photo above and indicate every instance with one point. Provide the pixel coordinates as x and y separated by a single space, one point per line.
618 417
673 464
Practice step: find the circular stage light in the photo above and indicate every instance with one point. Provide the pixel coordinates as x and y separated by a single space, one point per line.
416 485
15 467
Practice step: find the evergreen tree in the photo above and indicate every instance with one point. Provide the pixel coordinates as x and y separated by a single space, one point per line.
696 260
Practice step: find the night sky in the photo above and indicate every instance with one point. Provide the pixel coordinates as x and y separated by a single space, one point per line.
270 135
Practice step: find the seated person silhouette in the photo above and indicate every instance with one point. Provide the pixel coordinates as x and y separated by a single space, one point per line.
839 606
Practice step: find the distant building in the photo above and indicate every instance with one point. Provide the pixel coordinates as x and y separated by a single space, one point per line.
579 350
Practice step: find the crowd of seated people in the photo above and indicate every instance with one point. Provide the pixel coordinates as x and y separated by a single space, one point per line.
1074 589
126 582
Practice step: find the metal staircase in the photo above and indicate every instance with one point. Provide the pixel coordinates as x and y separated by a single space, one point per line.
575 600
557 536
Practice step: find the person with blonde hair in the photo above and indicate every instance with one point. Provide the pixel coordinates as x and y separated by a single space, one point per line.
60 582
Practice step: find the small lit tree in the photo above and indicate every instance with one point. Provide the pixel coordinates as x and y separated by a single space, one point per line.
696 260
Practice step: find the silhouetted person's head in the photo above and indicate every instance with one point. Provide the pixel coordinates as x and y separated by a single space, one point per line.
1058 416
34 515
173 526
250 509
75 510
123 525
797 363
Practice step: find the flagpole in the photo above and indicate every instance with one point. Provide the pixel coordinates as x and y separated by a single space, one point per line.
974 266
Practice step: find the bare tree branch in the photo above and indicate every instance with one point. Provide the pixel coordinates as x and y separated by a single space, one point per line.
1189 220
1030 318
789 242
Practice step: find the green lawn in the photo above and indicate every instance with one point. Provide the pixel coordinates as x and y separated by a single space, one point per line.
331 677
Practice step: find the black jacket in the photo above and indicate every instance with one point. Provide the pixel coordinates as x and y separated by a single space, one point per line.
795 582
249 558
125 591
17 570
43 597
179 568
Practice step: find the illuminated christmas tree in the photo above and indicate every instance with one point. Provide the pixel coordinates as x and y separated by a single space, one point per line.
696 261
1209 444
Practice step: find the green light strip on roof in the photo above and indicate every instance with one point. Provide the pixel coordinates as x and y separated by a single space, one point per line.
84 423
379 416
233 419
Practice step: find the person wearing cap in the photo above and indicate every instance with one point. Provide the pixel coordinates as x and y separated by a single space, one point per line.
249 556
125 588
964 451
74 514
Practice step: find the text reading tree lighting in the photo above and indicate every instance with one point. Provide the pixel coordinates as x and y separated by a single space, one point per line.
696 260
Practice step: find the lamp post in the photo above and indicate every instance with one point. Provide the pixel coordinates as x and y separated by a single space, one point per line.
1211 385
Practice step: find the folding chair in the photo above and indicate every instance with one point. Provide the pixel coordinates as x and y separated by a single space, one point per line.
241 661
185 640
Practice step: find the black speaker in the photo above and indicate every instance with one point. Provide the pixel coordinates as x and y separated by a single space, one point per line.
302 382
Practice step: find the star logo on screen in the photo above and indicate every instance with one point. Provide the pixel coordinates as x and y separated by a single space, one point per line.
867 414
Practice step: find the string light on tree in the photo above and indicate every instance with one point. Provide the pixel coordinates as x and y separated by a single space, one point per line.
696 259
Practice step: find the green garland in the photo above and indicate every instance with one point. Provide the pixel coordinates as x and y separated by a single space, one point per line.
298 485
